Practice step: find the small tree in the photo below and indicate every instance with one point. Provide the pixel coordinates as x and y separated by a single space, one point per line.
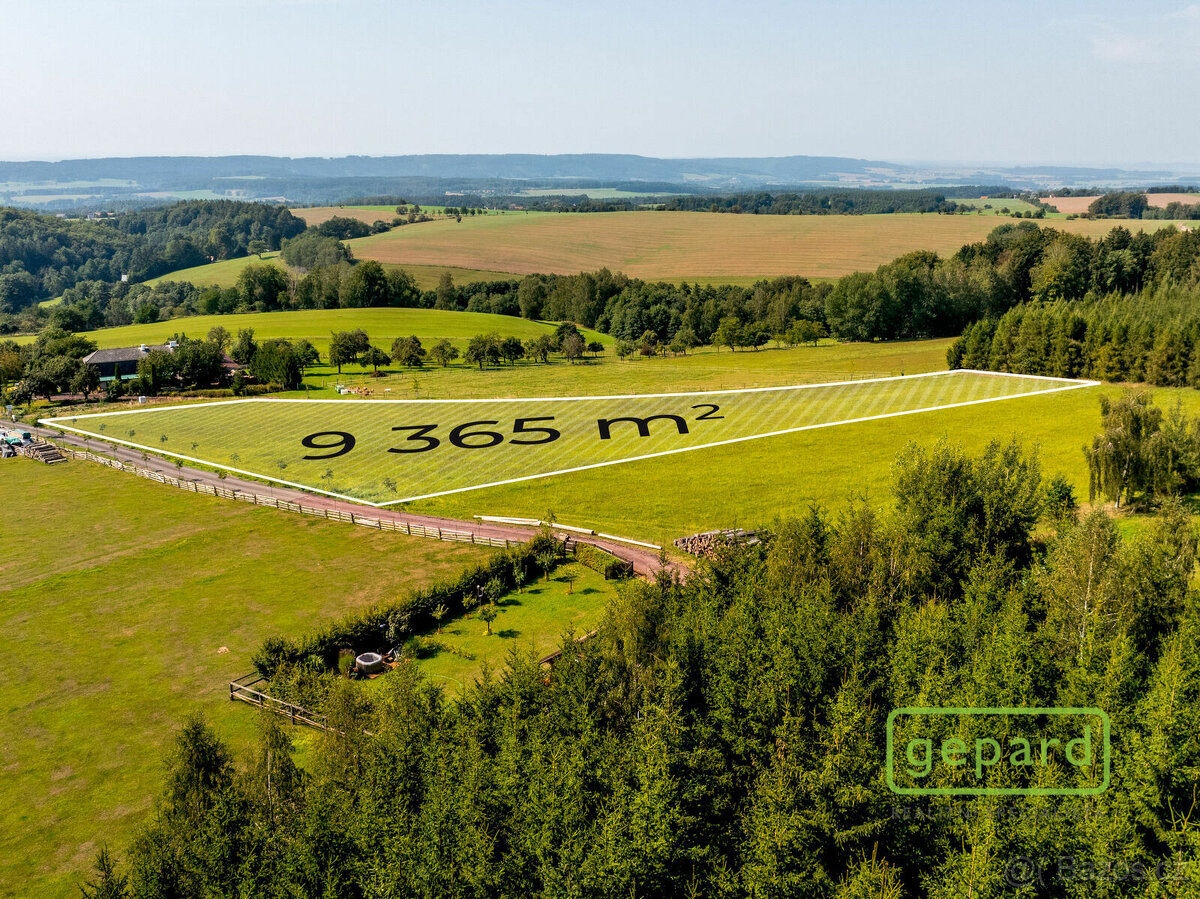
546 560
570 576
257 248
518 570
572 347
595 348
107 883
493 590
375 357
443 352
488 614
408 351
439 612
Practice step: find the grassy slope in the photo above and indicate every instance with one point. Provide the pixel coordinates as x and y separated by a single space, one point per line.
382 325
117 595
226 272
685 245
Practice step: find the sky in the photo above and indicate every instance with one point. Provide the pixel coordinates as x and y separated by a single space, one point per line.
1075 83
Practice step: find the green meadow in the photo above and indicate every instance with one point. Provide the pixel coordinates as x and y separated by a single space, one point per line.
383 325
748 484
125 606
390 451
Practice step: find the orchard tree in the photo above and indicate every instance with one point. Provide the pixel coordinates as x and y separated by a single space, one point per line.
408 351
572 347
443 352
375 357
346 346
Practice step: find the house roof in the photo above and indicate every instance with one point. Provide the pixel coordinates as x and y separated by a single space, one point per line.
121 354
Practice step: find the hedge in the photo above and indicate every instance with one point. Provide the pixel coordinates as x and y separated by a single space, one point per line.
366 629
604 562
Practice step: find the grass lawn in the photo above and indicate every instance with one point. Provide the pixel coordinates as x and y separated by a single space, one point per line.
388 451
382 325
747 484
533 621
689 246
126 605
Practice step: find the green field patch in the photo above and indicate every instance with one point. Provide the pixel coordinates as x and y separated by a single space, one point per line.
381 452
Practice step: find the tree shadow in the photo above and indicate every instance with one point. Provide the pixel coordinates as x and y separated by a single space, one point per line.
510 601
508 633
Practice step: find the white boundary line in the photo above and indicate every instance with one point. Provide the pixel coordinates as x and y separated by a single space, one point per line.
1071 384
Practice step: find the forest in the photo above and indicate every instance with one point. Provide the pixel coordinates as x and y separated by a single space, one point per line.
41 256
724 734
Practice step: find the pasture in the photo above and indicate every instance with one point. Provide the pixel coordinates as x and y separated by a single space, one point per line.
383 325
995 205
384 452
125 607
684 246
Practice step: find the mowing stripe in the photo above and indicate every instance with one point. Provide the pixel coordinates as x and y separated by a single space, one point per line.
909 390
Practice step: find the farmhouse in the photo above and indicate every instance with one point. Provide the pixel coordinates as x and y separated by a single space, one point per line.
121 363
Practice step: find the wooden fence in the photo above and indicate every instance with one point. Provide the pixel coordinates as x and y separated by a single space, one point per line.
243 690
260 499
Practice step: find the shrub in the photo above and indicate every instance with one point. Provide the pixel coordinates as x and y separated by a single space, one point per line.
604 562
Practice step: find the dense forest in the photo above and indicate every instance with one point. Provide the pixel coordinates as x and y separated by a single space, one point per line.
42 255
724 735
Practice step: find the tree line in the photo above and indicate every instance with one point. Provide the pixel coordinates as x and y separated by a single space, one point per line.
725 735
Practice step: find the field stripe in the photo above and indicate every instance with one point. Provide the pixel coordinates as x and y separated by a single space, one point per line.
688 449
858 400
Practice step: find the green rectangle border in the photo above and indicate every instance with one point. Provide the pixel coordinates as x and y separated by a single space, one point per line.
1000 791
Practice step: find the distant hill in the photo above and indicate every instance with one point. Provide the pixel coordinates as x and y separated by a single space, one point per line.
134 181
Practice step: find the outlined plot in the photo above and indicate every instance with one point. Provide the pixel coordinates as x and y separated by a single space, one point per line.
382 452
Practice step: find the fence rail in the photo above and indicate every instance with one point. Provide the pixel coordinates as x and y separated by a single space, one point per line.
261 499
242 690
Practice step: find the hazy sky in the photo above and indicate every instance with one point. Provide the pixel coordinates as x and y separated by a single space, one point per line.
1092 82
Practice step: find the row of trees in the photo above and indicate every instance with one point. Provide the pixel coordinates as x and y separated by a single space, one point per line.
483 350
726 736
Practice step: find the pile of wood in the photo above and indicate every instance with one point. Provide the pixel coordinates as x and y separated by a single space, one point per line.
43 452
705 544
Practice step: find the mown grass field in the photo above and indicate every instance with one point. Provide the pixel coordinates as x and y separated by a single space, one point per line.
744 485
226 272
387 451
688 246
118 601
382 326
531 621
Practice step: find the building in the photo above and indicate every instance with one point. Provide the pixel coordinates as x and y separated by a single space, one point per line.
121 363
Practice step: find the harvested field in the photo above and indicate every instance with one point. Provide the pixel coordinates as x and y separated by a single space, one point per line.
684 245
1079 205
